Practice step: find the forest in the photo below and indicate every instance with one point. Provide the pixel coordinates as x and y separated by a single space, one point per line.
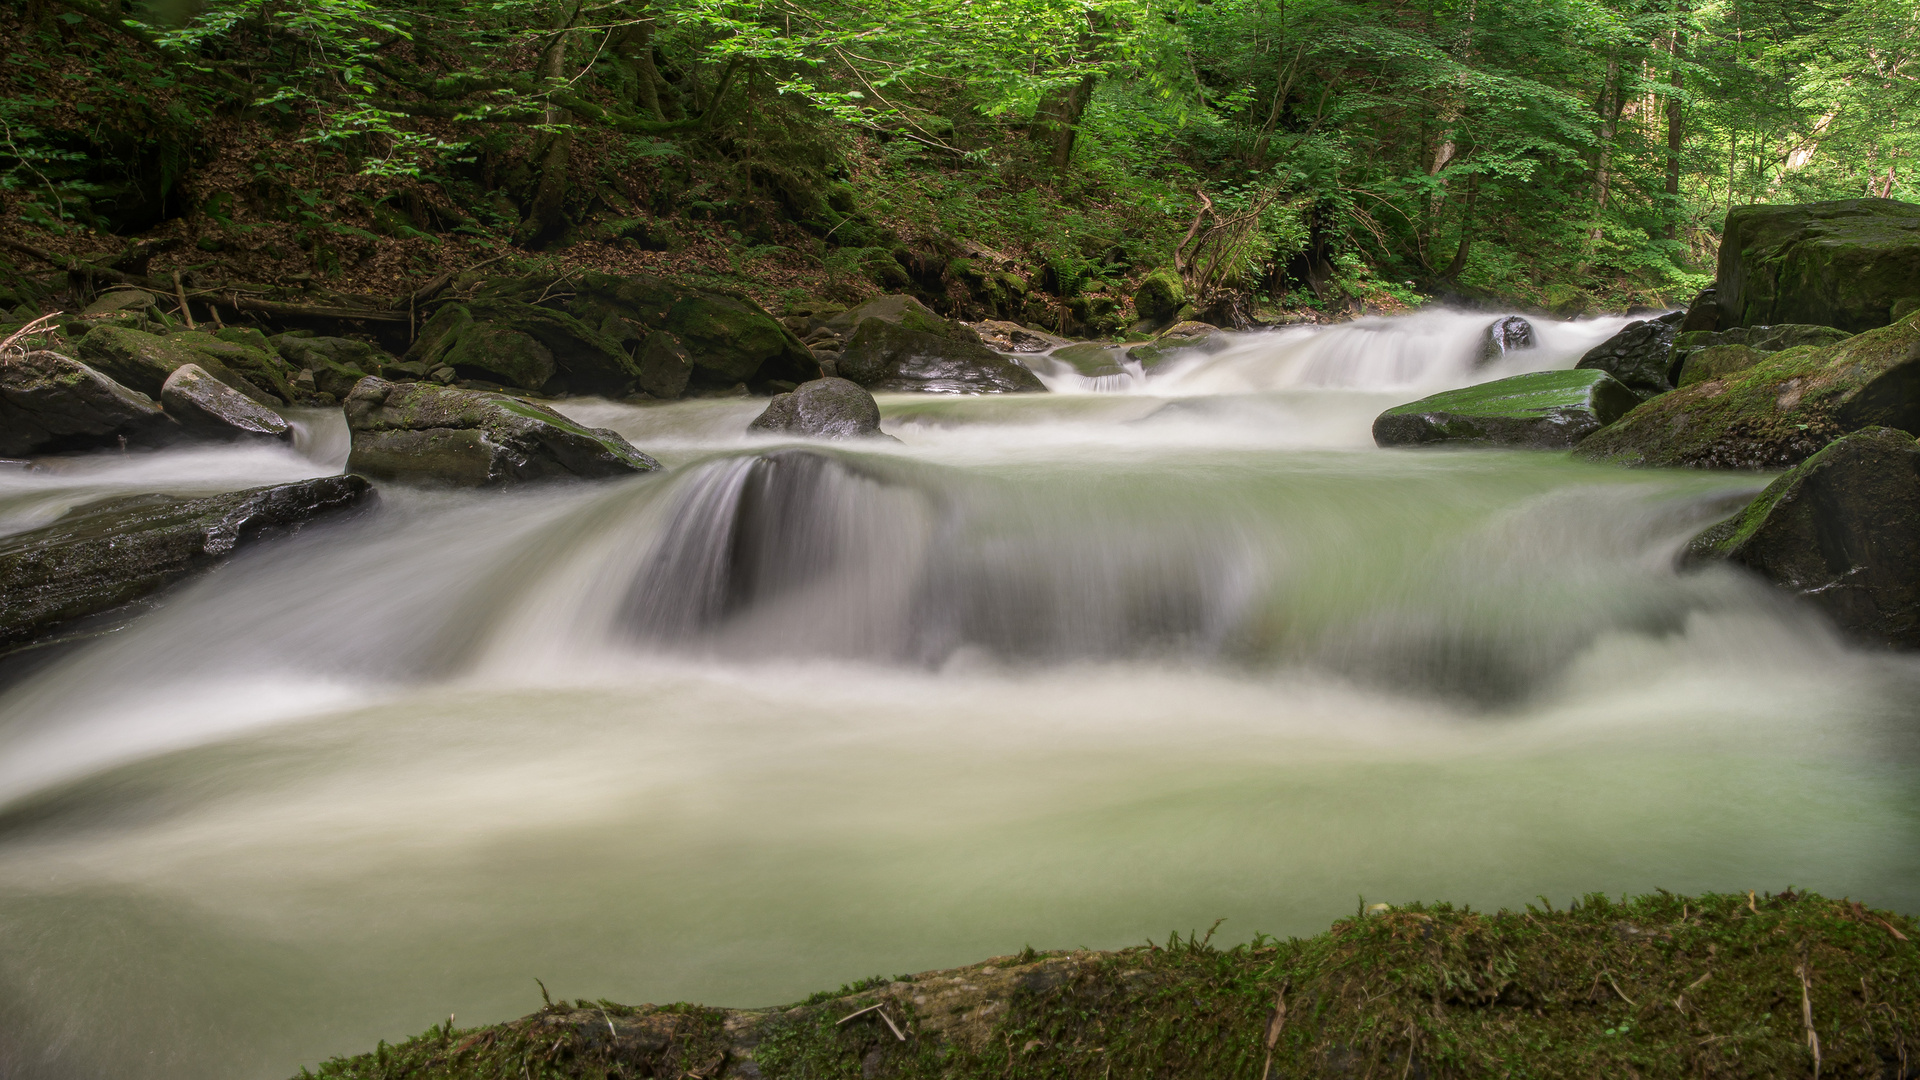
1031 159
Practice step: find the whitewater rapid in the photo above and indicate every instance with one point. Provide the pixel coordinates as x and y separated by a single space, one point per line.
1062 670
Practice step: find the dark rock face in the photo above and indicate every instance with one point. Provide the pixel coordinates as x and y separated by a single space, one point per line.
1639 355
206 406
822 409
106 554
1843 264
884 355
665 365
1510 334
50 403
430 434
1739 348
1543 410
1776 412
1841 530
1703 315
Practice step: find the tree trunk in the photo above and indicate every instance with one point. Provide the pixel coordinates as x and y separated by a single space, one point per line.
1609 107
546 218
1057 122
1674 133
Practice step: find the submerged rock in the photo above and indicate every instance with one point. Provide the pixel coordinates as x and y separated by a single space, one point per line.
1740 348
1090 360
1542 409
1842 531
1503 336
206 406
431 434
822 409
1178 339
1843 264
109 553
1640 355
51 403
887 355
1777 411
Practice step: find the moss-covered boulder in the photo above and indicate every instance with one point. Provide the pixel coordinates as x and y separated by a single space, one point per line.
337 363
1160 297
1842 531
1777 412
427 434
1640 355
883 355
1689 366
106 554
1090 360
1660 987
1177 340
821 409
666 367
733 340
51 403
1547 410
902 311
142 361
1842 264
252 358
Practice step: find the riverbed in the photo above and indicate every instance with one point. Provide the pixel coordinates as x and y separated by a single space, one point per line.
1075 669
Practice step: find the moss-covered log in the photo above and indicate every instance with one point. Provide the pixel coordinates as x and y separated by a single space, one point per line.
1660 986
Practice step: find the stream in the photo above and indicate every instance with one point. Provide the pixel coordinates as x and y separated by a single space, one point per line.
1074 669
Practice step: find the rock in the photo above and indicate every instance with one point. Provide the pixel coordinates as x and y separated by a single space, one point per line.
730 339
884 355
1842 531
337 363
902 311
1177 339
1777 412
1160 297
469 438
116 301
108 553
1002 336
50 403
1842 264
1090 359
258 363
206 406
1640 355
1503 336
1746 341
1703 315
142 361
665 365
822 409
1905 307
1541 409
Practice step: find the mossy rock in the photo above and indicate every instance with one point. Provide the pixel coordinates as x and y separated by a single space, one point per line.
1760 339
1843 264
261 366
733 340
1160 297
1777 412
51 403
143 361
1541 410
1842 531
883 355
337 363
1182 337
900 310
1090 360
1660 987
1718 362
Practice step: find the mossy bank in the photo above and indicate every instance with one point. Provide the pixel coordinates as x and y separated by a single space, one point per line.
1660 986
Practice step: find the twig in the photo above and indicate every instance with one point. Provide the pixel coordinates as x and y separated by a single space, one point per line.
859 1012
180 293
31 328
1617 990
881 1008
1806 1017
1274 1024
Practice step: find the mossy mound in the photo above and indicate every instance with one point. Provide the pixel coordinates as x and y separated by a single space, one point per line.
1843 264
1777 412
1541 409
1660 986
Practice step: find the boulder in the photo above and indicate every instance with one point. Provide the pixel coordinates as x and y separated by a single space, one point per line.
1178 339
822 409
1546 410
206 406
1160 297
1842 531
142 361
1716 362
665 365
885 355
1777 412
731 340
1842 264
338 364
50 403
1703 315
1747 341
105 554
902 311
121 302
470 438
1640 355
1090 359
1011 337
1503 336
255 361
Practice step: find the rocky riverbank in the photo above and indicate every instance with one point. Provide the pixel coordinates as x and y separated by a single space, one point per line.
1660 986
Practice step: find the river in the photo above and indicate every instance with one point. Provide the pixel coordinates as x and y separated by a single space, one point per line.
1075 669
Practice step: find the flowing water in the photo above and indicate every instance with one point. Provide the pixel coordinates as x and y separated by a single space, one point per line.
1065 670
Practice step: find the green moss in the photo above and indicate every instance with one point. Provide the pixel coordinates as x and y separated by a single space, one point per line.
1659 986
